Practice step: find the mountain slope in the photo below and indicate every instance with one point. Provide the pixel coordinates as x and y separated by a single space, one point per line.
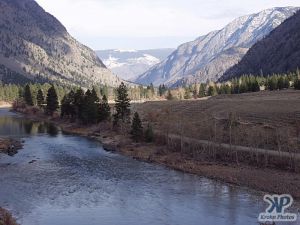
35 46
279 52
128 64
209 56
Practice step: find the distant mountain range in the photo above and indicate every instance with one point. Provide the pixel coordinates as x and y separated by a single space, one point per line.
209 56
279 52
36 47
128 64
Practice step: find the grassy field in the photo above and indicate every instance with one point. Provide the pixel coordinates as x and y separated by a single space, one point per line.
266 120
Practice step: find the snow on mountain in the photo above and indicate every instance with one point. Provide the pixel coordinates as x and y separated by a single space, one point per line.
209 56
279 52
128 64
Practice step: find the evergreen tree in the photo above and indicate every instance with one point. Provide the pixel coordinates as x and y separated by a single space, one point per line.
52 101
78 103
164 89
68 106
272 83
202 91
104 110
122 105
40 98
255 86
149 135
286 82
212 91
195 94
94 96
187 93
280 83
297 84
28 96
136 128
235 86
227 89
20 93
298 73
90 108
160 90
152 89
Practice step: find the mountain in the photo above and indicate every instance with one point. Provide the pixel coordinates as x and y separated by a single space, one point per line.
35 46
279 52
128 64
209 56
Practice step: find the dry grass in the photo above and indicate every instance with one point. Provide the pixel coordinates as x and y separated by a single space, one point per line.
261 114
268 120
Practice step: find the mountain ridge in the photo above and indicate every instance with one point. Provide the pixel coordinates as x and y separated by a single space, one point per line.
34 45
279 52
128 64
208 57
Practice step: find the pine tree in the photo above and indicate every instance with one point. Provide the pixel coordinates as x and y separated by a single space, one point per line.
52 101
136 128
28 96
90 108
68 106
152 89
280 83
202 91
297 84
212 91
104 110
122 105
40 98
149 135
255 87
160 91
20 93
298 73
195 94
187 93
94 96
78 103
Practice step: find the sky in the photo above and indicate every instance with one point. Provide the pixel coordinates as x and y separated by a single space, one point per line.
149 24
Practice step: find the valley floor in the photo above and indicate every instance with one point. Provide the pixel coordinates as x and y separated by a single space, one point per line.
264 120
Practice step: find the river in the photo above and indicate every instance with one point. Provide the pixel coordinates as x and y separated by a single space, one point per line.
61 179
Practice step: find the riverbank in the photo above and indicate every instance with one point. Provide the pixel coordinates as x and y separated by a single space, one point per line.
6 218
263 179
5 104
10 146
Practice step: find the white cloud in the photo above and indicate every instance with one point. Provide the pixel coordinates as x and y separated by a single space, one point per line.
90 20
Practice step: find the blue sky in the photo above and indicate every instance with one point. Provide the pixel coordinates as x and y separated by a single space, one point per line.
147 24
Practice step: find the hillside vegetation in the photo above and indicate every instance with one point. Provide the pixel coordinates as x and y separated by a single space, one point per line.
279 52
36 47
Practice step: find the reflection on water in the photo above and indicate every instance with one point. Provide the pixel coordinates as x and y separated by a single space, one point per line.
18 127
60 179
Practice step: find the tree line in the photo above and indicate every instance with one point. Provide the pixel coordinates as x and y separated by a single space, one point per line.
244 84
86 107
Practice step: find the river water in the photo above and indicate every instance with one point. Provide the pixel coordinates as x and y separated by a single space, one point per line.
61 179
